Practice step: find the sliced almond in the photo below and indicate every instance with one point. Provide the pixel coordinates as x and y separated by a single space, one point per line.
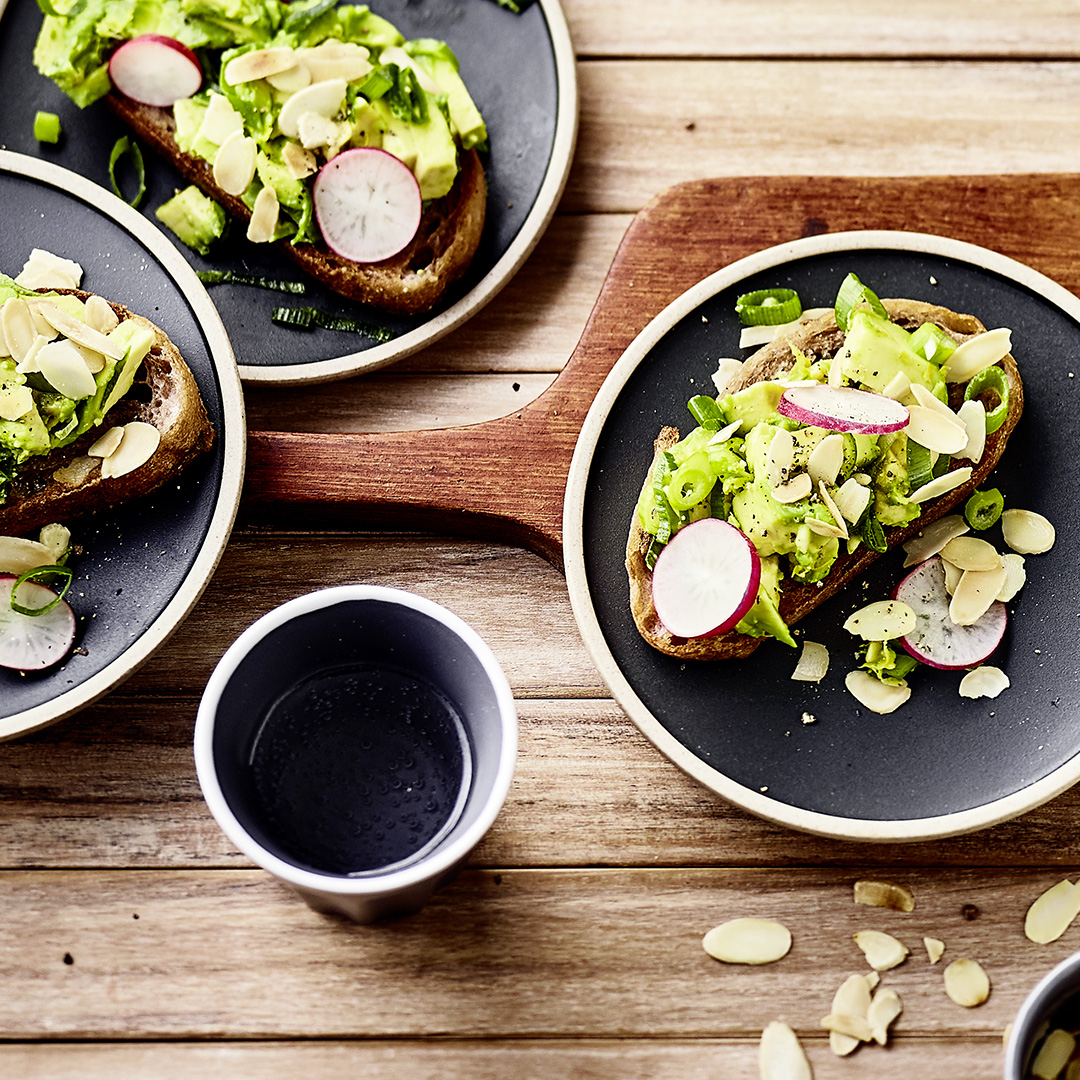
44 270
935 948
852 998
18 555
928 400
15 401
234 164
852 499
727 367
135 450
258 65
976 353
971 553
797 488
781 1056
882 620
953 574
65 370
298 161
875 695
972 415
884 894
292 79
17 328
724 433
826 459
1053 1055
100 315
974 593
220 120
76 330
323 65
315 131
882 951
826 528
941 484
885 1007
854 1027
897 387
985 681
935 431
1052 912
933 538
1025 531
780 457
264 217
833 509
967 983
1015 576
748 941
813 663
324 98
106 445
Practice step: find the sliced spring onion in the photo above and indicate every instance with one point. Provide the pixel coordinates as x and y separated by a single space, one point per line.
231 277
306 317
932 343
984 508
853 293
919 465
706 412
869 528
36 574
691 482
667 518
768 307
303 17
992 379
126 146
46 127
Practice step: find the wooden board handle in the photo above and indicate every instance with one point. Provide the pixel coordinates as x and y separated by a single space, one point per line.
504 479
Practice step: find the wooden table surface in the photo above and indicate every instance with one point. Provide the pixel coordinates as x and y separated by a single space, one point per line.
136 942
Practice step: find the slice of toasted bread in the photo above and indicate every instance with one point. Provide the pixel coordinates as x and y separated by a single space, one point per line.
410 282
818 338
66 483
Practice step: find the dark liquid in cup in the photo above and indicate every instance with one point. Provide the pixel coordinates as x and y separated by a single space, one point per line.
359 768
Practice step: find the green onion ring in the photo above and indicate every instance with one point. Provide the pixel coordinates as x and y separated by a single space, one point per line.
706 412
991 378
983 509
33 575
125 145
691 482
852 293
768 307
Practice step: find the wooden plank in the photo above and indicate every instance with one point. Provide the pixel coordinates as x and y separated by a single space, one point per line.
509 954
599 1059
844 117
823 28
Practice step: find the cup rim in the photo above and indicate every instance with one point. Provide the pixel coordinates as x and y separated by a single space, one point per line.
1032 1010
374 884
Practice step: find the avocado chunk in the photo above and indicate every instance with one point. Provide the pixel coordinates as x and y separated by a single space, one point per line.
196 219
427 148
752 404
876 351
439 62
763 619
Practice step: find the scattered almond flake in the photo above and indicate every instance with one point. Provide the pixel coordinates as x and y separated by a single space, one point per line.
981 351
724 433
966 983
884 894
985 681
137 446
748 941
813 664
17 328
852 998
897 386
100 315
935 948
825 528
973 416
107 444
264 217
971 553
77 331
928 400
1027 532
795 489
780 457
882 620
833 509
877 696
953 574
753 336
1015 576
18 555
826 459
234 163
1053 1055
1052 912
974 593
882 951
929 428
854 1027
781 1056
727 367
809 718
851 499
49 271
942 484
885 1007
933 538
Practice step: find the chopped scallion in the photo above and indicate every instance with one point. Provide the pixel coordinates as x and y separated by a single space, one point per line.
991 379
304 17
869 528
305 318
853 293
232 277
35 575
768 307
46 127
126 146
932 343
706 412
984 508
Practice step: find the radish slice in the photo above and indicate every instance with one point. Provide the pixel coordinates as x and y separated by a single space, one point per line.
936 639
706 579
33 642
367 203
842 408
155 70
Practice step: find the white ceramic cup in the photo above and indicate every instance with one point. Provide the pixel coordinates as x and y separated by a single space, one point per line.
339 629
1055 996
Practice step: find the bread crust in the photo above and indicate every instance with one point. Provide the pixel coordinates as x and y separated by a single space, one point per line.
66 483
408 283
818 337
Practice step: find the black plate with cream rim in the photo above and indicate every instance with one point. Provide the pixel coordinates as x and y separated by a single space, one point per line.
143 565
519 69
940 764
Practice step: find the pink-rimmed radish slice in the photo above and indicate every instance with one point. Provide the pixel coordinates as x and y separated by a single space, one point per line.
843 408
155 70
936 640
33 642
706 579
367 203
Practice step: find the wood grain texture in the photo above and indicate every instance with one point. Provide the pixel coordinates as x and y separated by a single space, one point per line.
505 478
610 953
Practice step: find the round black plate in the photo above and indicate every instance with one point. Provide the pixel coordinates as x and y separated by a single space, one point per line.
940 764
519 69
143 564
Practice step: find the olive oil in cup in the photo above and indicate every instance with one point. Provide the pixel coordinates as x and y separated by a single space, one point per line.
357 743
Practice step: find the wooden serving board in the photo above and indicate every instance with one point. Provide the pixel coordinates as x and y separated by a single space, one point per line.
504 479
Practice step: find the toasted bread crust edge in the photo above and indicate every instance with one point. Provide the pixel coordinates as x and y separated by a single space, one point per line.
442 250
797 601
165 395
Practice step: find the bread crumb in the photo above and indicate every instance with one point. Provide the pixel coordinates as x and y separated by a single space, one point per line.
809 718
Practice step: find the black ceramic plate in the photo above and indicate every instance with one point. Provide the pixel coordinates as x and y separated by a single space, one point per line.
520 70
144 564
940 764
